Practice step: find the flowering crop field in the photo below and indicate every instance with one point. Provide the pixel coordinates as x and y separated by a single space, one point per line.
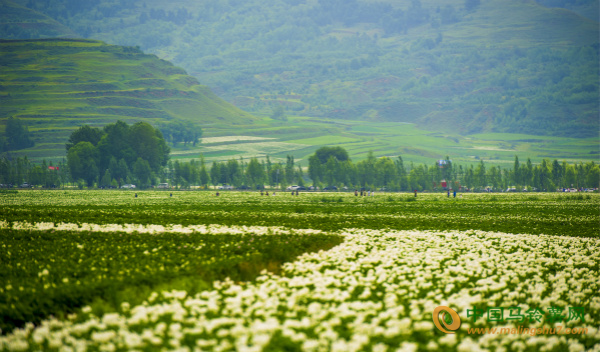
107 271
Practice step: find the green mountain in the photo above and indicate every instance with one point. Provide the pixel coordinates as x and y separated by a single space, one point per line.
54 86
458 66
20 22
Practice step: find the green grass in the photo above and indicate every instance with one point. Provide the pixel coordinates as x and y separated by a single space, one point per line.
388 139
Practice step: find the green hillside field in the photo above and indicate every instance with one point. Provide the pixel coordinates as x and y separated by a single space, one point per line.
302 136
467 67
55 86
20 22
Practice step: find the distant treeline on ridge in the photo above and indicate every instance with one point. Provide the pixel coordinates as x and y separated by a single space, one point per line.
120 154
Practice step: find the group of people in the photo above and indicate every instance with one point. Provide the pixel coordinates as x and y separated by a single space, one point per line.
364 193
265 193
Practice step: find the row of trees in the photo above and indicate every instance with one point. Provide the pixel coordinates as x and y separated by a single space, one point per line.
116 152
240 174
329 166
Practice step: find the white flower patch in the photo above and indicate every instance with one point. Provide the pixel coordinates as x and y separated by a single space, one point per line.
157 229
374 292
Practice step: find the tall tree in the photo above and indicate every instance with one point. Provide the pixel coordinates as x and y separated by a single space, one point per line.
82 160
17 135
255 174
142 172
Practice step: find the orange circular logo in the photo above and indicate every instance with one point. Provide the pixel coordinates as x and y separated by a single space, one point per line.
442 321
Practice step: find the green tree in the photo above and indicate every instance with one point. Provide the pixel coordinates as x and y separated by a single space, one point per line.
317 161
517 179
204 176
82 160
215 173
149 144
255 173
592 179
279 113
315 169
115 143
142 172
16 135
106 179
289 170
386 172
366 170
121 172
480 175
84 134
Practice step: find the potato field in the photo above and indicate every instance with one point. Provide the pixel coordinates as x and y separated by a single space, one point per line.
193 271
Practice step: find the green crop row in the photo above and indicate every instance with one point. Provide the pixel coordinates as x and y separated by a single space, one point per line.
56 272
551 214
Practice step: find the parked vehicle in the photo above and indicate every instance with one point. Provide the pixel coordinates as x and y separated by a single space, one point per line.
128 186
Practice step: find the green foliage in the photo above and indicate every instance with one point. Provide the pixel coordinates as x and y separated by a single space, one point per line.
89 82
16 136
279 113
54 273
83 159
184 132
528 73
139 148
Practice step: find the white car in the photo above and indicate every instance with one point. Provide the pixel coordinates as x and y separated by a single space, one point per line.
293 188
128 186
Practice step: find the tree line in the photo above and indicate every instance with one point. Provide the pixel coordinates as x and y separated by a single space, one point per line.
328 167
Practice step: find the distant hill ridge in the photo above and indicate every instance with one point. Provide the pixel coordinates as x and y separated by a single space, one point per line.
20 22
56 85
517 66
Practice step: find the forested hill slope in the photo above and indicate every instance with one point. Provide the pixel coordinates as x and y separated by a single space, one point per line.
20 22
55 86
464 66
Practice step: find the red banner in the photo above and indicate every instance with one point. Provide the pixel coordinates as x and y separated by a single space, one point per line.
52 167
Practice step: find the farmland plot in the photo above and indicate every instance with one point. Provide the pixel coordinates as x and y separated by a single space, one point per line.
372 273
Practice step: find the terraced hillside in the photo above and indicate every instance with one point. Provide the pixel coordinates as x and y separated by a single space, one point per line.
55 86
20 22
